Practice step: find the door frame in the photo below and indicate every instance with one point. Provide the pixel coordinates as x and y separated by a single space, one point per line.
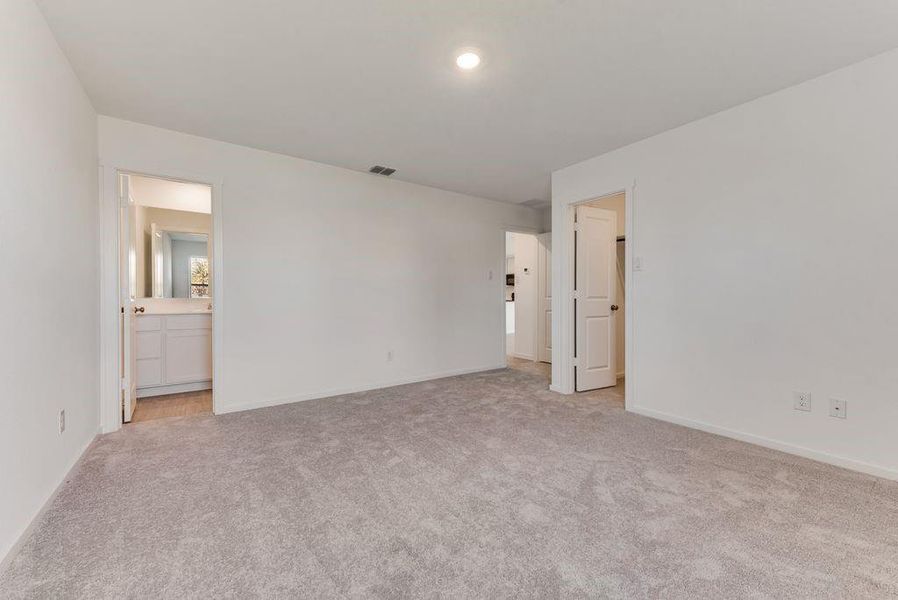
110 343
563 323
506 230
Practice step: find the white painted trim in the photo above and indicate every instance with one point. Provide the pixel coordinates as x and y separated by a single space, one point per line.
630 299
831 459
110 336
352 390
26 532
524 357
110 296
175 388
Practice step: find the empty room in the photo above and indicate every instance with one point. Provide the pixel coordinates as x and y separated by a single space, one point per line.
421 299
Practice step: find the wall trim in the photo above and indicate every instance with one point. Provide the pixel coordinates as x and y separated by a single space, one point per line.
175 388
26 533
823 457
352 390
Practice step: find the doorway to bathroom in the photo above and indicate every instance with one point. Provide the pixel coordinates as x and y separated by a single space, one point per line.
528 302
166 263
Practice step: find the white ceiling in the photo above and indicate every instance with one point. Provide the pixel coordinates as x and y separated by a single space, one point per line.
356 83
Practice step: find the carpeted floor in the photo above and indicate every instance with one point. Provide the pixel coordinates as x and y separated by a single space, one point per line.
480 486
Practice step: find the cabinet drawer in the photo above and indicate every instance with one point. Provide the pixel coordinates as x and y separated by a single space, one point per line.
149 323
175 322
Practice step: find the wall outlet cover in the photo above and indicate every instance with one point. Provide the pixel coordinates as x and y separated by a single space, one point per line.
801 401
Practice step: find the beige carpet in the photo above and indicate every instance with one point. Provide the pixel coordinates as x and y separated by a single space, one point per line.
481 486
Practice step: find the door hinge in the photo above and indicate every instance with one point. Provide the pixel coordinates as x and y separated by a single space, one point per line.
123 385
576 362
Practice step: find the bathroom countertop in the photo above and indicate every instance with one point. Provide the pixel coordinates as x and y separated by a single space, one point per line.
156 313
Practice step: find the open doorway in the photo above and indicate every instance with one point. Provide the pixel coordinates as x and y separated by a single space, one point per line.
600 294
166 297
528 302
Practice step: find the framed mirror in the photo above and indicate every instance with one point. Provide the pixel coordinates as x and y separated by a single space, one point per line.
180 262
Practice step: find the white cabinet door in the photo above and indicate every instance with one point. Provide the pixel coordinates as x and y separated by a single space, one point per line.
596 280
188 355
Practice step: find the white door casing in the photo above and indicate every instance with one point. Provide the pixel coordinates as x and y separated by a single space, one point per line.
544 326
594 297
127 282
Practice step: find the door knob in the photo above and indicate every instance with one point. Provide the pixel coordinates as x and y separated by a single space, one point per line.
138 309
614 307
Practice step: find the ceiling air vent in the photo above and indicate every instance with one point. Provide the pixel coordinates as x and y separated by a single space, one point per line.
379 170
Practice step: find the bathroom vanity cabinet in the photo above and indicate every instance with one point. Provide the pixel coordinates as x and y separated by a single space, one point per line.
174 353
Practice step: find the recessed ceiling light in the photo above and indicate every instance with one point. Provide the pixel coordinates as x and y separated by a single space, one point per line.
467 60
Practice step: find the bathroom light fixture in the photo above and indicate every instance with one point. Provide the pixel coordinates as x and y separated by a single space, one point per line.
467 60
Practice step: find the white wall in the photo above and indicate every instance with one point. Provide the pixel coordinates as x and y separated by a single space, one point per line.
325 270
171 195
48 267
768 235
525 294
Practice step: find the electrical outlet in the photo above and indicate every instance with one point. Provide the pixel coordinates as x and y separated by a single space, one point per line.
838 408
389 356
801 401
61 421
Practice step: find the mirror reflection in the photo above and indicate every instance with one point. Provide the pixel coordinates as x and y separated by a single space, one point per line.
180 264
171 226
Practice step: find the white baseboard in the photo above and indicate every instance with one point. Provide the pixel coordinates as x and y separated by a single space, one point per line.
523 356
220 410
13 550
177 388
831 459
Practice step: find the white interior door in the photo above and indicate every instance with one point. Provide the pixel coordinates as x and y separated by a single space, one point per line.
594 297
544 326
128 282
